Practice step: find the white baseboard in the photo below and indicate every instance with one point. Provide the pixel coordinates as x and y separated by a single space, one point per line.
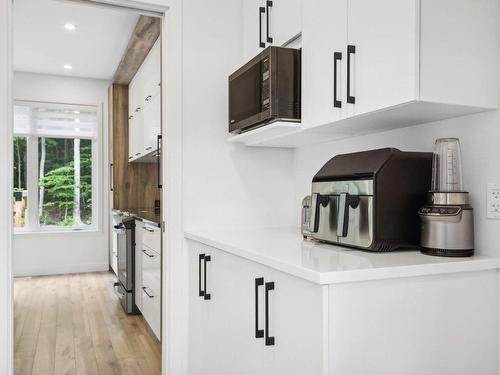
59 269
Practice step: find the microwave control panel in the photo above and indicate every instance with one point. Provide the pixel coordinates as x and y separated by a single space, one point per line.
266 104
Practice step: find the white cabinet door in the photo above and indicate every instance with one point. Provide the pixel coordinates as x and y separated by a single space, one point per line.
324 41
232 325
151 98
198 312
152 122
138 264
384 66
152 72
254 40
222 328
285 20
136 109
297 323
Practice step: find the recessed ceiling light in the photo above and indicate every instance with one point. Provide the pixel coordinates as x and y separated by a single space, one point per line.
68 67
76 112
69 26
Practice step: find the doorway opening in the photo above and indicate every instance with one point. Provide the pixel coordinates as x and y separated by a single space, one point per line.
87 198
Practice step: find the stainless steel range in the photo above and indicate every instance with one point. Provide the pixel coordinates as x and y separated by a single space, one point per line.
124 226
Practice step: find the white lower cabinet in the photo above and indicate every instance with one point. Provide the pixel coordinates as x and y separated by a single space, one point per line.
148 274
435 324
151 308
233 331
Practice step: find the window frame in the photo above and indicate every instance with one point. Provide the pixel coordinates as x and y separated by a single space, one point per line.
32 159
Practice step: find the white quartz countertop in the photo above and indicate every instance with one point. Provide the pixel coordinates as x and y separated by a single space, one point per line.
285 250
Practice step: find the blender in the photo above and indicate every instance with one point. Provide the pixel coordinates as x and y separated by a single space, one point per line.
447 222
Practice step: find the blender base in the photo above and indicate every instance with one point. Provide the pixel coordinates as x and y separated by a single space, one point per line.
454 253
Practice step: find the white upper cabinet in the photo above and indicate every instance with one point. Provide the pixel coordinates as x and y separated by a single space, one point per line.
323 57
382 51
145 107
136 108
285 20
403 62
254 28
271 22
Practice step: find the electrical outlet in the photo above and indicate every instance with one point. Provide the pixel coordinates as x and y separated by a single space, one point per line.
493 202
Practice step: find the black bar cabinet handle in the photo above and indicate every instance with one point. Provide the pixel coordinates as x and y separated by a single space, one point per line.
261 11
259 333
269 339
206 295
111 177
158 160
336 57
351 50
269 4
201 292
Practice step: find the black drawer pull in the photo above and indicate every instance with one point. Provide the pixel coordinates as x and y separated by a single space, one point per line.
201 292
269 5
206 295
258 332
337 56
351 50
145 288
261 11
269 339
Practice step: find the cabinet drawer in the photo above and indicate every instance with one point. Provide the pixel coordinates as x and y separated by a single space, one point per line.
151 309
151 237
151 269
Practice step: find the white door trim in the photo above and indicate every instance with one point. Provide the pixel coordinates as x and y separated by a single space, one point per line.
174 328
6 230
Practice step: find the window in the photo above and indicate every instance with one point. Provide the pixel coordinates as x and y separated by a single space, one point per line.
20 186
55 166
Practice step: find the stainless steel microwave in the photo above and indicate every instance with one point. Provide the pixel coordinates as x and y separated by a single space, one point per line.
265 90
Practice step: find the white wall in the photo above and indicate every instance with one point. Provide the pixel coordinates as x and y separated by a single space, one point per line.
54 253
479 136
224 184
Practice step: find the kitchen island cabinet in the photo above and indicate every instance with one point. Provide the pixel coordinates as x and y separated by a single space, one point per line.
332 310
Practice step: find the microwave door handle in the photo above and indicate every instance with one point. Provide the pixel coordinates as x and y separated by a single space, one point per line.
346 201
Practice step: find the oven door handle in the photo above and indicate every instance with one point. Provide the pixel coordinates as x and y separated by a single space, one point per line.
346 201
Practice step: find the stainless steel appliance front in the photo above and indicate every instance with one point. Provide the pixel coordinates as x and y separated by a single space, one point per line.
124 288
337 221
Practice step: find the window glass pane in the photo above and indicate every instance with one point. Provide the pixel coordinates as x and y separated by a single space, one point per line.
65 182
20 198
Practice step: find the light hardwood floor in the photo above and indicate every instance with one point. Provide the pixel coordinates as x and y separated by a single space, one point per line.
74 324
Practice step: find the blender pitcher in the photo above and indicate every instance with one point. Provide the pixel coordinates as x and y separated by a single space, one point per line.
447 166
447 223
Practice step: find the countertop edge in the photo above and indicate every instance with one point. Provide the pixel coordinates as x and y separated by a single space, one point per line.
349 276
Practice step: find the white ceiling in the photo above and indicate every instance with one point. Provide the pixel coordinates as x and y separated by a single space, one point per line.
94 49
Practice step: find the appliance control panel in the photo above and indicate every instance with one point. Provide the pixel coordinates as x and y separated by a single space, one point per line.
266 89
440 210
493 201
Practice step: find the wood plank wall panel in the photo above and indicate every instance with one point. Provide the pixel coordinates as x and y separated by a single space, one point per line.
146 32
134 184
